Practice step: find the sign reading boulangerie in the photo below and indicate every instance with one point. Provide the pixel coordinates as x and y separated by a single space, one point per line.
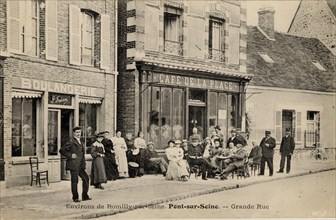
56 87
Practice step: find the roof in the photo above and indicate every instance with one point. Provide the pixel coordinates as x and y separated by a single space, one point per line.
292 67
332 6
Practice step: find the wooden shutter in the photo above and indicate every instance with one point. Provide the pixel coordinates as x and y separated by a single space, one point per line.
278 125
105 46
298 127
51 44
13 10
74 35
210 35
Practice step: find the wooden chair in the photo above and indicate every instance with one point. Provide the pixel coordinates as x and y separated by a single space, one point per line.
36 174
254 168
133 169
194 169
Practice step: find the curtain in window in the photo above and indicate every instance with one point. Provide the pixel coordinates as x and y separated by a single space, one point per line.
171 23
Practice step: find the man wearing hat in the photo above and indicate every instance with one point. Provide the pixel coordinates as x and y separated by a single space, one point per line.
74 152
287 147
236 138
196 152
153 159
267 145
219 134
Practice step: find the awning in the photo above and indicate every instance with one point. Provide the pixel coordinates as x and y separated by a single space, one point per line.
93 101
26 94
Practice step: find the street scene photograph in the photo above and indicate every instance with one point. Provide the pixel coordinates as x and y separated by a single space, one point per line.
160 109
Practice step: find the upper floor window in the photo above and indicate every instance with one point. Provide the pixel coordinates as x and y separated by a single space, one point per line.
87 39
23 26
172 30
217 39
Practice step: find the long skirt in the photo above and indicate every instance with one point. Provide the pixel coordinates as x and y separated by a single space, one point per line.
177 170
121 160
98 174
111 168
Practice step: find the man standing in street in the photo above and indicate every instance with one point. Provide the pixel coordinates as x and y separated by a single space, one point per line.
286 150
75 155
267 145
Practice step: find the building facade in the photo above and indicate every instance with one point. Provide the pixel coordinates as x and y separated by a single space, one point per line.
58 71
316 19
293 87
181 64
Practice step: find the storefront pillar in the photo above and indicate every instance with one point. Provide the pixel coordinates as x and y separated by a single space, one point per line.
45 127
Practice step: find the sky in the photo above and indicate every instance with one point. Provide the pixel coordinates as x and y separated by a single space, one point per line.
284 12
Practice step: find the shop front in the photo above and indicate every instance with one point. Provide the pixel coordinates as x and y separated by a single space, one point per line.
43 115
173 104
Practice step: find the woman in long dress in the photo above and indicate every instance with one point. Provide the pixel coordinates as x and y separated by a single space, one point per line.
120 149
98 175
177 168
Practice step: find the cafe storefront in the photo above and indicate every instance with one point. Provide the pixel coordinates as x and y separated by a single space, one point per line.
173 103
43 115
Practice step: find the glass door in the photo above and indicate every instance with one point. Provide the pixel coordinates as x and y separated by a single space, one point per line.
197 116
54 144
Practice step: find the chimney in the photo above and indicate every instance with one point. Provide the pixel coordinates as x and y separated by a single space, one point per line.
266 22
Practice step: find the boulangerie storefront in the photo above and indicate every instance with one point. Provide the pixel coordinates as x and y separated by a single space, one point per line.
44 113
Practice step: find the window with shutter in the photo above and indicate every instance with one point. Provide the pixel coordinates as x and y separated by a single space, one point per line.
105 47
216 39
74 35
14 27
51 31
278 125
87 38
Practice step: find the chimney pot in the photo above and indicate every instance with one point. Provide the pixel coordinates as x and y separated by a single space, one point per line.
266 21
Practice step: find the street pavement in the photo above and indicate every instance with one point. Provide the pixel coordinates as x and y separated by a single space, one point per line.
309 196
54 201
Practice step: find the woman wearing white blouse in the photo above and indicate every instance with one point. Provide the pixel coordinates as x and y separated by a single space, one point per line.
177 168
120 148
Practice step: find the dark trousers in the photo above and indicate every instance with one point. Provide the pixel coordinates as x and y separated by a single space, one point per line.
203 163
74 182
282 163
269 164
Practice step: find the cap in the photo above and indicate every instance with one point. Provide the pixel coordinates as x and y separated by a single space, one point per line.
217 127
207 138
178 142
99 134
267 132
287 129
184 141
233 130
171 141
150 143
76 128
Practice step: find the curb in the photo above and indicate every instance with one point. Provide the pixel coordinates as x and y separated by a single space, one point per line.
140 205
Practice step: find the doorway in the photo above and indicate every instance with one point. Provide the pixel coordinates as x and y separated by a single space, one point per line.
60 123
197 118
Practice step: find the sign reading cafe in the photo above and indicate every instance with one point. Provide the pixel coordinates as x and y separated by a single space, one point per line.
194 82
56 87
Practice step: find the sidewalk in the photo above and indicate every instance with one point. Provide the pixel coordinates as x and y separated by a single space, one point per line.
122 195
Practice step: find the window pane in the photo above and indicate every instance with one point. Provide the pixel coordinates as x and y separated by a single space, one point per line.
178 107
232 111
53 132
166 127
216 42
212 112
222 114
88 122
24 127
154 117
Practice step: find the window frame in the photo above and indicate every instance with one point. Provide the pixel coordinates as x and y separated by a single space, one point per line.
85 14
220 23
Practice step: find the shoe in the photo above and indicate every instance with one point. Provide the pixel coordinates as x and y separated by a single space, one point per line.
259 174
204 178
288 172
76 200
223 178
280 171
86 199
271 175
164 173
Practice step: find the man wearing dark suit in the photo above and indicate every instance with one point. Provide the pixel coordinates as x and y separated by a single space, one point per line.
238 160
236 138
75 155
267 145
286 150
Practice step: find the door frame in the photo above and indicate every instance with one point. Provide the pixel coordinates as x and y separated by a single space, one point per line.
204 120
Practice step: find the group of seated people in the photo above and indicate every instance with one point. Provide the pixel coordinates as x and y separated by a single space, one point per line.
211 158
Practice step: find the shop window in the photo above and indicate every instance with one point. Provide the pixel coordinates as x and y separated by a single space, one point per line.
172 27
23 127
233 101
88 122
23 26
217 113
165 115
216 39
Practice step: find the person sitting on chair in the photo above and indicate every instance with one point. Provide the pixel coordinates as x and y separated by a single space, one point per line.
255 154
177 167
196 157
152 159
238 160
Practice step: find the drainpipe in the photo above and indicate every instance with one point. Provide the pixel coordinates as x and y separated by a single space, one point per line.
115 62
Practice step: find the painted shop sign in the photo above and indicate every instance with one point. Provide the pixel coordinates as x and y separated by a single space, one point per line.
42 85
59 99
195 82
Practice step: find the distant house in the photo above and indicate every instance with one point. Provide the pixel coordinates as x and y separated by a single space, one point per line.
316 19
293 86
